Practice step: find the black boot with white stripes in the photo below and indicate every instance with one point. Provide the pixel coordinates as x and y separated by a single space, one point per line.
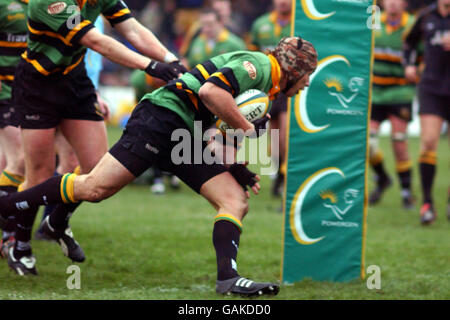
246 287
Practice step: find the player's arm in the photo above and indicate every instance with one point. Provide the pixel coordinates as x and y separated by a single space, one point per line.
114 50
144 40
410 45
119 53
221 103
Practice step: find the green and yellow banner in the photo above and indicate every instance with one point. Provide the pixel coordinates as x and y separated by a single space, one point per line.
326 186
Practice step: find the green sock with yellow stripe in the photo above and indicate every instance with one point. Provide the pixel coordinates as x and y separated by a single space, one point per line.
226 235
9 182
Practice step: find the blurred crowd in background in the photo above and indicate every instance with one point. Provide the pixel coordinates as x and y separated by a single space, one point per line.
171 21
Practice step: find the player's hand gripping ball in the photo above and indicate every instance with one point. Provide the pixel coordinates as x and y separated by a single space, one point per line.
253 105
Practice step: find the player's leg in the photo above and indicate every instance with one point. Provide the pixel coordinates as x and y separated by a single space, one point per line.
403 162
67 162
430 125
232 206
89 151
376 157
38 145
433 112
10 178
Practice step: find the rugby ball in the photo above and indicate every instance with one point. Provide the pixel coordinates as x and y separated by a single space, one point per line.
253 105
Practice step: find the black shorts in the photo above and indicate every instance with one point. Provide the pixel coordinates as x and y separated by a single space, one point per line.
279 105
431 103
7 117
41 102
146 141
381 112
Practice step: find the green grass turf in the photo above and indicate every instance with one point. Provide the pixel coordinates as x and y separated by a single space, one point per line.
141 246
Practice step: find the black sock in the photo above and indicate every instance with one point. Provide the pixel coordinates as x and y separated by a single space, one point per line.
25 220
381 173
405 179
59 217
10 226
427 172
226 242
45 193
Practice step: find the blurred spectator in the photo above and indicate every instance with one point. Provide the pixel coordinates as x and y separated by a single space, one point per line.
213 40
225 11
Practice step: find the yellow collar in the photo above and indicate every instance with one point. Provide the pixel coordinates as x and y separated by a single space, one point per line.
389 28
276 77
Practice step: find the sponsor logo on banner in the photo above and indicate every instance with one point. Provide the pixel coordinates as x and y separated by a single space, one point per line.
330 207
339 208
342 88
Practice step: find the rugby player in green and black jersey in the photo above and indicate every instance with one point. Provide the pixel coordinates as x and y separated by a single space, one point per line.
203 94
392 96
13 42
52 89
432 27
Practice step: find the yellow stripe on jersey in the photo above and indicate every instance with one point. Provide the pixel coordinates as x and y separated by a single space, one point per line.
73 66
35 64
13 44
7 77
119 14
78 28
203 71
49 34
389 81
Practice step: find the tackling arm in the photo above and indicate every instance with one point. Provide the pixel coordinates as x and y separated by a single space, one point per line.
144 40
114 50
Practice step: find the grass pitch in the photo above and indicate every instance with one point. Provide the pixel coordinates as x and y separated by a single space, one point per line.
142 246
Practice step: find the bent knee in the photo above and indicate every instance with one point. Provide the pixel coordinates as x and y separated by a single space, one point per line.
237 206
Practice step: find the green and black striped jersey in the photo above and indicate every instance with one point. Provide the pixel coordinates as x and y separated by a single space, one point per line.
56 27
389 83
235 72
13 41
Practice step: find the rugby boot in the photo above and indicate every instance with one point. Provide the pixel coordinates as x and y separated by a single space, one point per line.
245 287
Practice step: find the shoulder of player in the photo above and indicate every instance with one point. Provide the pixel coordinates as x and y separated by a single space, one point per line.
256 61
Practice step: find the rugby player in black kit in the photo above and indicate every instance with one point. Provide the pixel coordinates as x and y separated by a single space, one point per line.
432 27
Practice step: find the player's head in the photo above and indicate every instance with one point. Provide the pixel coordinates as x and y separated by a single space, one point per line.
444 7
210 23
283 7
298 59
393 7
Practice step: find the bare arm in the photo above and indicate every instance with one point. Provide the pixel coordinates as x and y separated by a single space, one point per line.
114 50
222 104
144 40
